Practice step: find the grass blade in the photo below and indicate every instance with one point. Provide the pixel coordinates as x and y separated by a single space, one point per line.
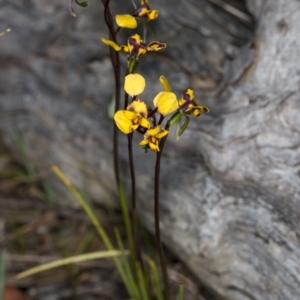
127 222
93 219
142 283
70 260
156 279
180 292
129 275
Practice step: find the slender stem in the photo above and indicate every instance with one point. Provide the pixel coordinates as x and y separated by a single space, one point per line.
117 73
144 32
132 173
136 255
156 217
152 112
161 119
115 60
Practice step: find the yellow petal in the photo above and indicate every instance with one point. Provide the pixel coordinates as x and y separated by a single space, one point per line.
181 102
197 112
165 84
202 108
138 106
126 21
134 127
190 93
153 131
111 43
123 123
137 38
157 132
162 133
145 123
156 46
143 142
154 146
141 52
166 102
130 115
152 14
143 12
134 84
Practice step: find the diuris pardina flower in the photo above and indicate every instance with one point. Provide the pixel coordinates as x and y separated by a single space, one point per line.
134 116
152 136
166 102
135 47
136 113
142 12
188 104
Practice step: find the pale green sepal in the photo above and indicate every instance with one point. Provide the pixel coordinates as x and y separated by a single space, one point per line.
175 118
180 130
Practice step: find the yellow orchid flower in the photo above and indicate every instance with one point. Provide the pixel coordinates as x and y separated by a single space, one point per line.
134 116
142 12
188 104
166 102
152 136
135 47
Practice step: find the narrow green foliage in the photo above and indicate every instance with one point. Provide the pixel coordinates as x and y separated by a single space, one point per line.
128 225
69 260
180 292
156 279
99 228
134 291
142 282
85 207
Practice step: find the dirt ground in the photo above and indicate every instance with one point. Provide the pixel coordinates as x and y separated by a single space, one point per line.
35 230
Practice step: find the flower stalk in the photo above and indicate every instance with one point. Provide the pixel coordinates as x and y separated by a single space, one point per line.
162 259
